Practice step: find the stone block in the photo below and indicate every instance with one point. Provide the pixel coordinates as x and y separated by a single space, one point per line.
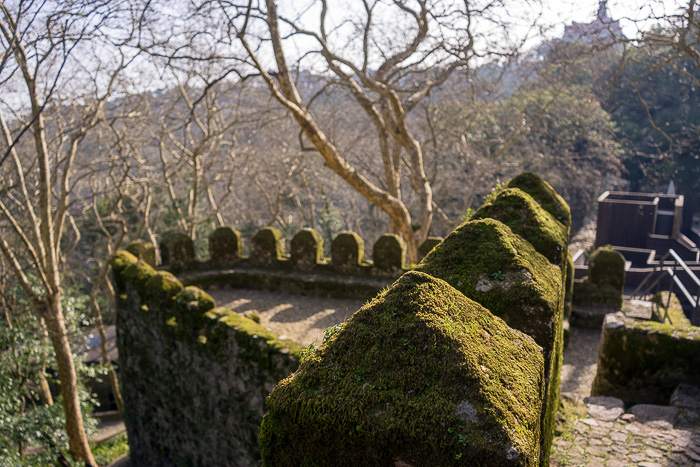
389 254
606 268
642 362
306 250
525 217
545 195
144 251
177 250
347 252
225 246
491 265
267 247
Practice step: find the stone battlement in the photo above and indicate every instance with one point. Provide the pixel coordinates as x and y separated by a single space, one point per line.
456 363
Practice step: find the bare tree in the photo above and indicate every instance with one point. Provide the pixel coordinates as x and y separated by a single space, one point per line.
388 55
54 56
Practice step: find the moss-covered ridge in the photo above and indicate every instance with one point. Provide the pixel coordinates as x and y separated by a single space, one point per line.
485 261
525 217
190 311
503 272
545 195
423 375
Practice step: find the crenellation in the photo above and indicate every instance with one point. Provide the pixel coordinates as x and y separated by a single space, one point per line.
267 248
306 250
348 252
225 246
457 361
389 254
177 250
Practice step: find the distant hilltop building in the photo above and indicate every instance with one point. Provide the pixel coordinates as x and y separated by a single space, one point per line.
601 30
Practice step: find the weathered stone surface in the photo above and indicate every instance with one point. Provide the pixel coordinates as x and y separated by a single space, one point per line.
545 195
602 288
347 252
306 250
267 247
605 408
686 396
606 268
644 361
194 377
144 251
656 416
225 246
389 253
421 375
177 250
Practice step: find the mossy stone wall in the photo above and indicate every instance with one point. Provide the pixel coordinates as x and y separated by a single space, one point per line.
642 362
194 377
383 391
420 376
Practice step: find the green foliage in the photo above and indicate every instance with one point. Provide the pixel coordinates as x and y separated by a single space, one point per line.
109 451
32 434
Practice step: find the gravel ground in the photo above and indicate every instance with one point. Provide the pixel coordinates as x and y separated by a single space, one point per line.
297 317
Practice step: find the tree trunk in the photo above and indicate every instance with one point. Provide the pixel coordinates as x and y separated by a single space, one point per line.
78 442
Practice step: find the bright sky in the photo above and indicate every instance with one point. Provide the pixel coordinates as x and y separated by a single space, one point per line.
562 12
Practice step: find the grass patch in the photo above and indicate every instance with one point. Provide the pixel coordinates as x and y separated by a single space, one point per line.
110 450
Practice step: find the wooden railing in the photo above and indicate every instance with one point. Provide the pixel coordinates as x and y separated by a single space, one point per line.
670 267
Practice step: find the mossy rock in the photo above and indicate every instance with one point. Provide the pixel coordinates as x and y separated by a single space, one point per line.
347 252
606 268
490 264
545 195
163 286
267 247
389 253
485 261
525 217
569 285
191 304
420 376
225 246
306 250
143 250
427 246
177 249
642 362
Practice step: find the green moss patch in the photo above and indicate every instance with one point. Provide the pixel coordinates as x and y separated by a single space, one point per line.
545 195
420 375
143 250
607 268
525 217
485 261
644 361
